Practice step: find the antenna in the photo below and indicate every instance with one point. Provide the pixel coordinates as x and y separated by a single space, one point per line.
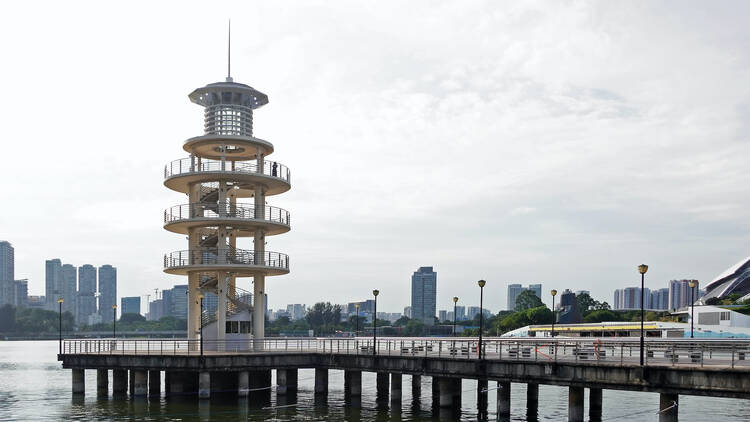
229 53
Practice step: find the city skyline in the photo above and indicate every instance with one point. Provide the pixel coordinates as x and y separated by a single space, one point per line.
577 163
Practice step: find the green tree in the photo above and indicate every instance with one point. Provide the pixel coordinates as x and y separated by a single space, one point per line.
414 328
131 318
323 317
7 319
602 315
401 322
527 300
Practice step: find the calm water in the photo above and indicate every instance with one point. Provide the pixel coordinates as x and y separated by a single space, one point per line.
33 386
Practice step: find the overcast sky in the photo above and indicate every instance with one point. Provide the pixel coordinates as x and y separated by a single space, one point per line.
561 143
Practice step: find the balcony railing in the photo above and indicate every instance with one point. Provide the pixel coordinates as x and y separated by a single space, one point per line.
229 256
195 165
214 210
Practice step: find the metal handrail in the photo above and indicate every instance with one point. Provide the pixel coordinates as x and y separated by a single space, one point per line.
196 165
229 255
216 210
717 354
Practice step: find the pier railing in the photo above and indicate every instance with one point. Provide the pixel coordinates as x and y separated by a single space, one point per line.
675 352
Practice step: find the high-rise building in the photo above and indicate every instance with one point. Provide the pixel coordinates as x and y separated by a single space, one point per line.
107 290
630 298
167 302
660 299
516 289
20 293
130 305
442 315
69 287
297 311
156 309
680 294
7 272
424 295
460 313
473 311
179 301
52 282
86 302
407 311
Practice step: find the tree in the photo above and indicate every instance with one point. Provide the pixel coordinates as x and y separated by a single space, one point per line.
585 303
323 317
602 315
527 300
7 319
414 328
713 301
131 318
401 322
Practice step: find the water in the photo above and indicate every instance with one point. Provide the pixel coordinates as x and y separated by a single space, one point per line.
33 386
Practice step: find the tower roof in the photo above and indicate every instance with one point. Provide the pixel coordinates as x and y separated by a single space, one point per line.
229 92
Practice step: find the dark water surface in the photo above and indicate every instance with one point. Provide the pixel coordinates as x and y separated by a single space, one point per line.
33 386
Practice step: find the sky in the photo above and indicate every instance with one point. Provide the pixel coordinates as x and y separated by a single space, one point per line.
560 143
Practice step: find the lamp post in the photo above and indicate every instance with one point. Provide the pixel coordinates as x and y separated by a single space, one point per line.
200 297
553 292
114 321
642 269
356 305
375 324
481 314
455 301
60 302
693 284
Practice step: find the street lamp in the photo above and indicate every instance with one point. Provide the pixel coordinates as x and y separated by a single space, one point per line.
60 302
693 284
642 269
455 300
201 326
356 305
553 292
375 323
481 314
114 321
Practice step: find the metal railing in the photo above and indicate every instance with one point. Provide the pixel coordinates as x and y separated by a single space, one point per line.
662 352
196 165
216 210
229 256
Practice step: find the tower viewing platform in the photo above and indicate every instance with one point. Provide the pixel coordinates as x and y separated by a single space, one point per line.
227 237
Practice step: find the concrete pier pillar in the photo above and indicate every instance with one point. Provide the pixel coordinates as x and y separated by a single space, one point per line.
154 383
668 404
204 385
353 383
119 382
243 383
131 382
575 404
435 392
286 381
503 398
381 385
321 381
532 396
595 404
102 382
450 392
416 387
140 381
167 379
482 396
175 383
396 385
79 381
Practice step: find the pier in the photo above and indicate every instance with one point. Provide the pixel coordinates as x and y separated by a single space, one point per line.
672 367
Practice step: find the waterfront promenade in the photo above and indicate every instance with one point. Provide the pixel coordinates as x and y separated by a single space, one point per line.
718 368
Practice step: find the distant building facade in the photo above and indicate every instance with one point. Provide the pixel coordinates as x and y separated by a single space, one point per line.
424 295
680 294
130 305
52 282
107 289
7 273
442 315
86 301
69 288
569 312
516 289
630 298
660 299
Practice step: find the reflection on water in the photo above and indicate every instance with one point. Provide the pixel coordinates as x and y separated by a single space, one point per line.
33 386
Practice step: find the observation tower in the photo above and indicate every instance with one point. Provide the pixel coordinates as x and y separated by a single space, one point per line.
227 178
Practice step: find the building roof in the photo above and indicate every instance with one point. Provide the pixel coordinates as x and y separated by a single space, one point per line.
736 279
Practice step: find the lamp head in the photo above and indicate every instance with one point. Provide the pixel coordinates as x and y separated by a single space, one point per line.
376 293
114 306
60 300
481 283
642 268
455 299
692 283
200 297
553 292
356 305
